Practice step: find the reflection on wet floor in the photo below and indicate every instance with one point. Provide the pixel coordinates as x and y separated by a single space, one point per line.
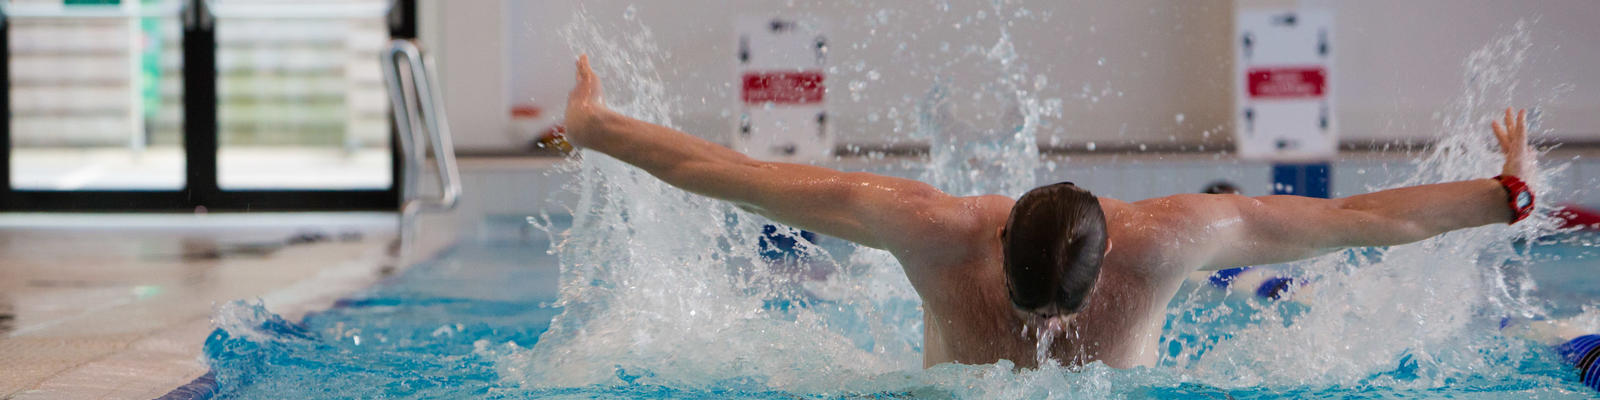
198 249
7 315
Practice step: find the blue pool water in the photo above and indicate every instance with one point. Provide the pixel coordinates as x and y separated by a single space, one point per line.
445 328
663 294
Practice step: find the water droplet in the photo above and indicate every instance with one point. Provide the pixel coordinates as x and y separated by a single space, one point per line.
1101 62
627 13
1178 118
873 75
1089 146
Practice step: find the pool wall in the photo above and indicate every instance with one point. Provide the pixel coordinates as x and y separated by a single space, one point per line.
1125 70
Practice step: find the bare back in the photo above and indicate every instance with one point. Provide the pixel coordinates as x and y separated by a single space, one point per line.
968 317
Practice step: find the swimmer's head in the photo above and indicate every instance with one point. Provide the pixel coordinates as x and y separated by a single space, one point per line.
1053 245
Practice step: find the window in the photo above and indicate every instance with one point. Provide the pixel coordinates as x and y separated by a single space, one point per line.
96 93
180 104
301 98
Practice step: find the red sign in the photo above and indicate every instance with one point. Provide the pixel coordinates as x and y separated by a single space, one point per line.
795 87
1287 82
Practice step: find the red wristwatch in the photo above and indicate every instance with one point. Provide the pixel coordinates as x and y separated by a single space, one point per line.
1518 195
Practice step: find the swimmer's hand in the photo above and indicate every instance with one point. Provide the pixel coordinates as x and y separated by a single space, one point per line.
1513 137
585 109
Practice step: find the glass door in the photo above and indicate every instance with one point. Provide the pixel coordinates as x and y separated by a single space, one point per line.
302 103
96 95
176 105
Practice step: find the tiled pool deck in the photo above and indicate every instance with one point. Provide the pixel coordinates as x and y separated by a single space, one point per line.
89 311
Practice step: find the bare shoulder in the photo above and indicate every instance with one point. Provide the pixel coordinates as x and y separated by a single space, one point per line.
1181 210
1160 228
962 218
949 228
992 206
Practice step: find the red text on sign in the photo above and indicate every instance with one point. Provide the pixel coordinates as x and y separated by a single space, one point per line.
1287 82
795 87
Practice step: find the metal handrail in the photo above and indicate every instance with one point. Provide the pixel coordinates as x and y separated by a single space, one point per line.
419 121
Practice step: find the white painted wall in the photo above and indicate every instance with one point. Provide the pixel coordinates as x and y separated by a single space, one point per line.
1399 62
467 44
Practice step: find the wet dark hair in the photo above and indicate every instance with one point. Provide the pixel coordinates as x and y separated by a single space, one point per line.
1220 187
1053 246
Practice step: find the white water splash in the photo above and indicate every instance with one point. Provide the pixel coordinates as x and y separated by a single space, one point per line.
663 287
982 129
1429 307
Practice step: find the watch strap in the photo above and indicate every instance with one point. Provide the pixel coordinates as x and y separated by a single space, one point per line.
1518 197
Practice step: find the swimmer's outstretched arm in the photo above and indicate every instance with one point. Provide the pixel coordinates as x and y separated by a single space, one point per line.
1220 231
873 210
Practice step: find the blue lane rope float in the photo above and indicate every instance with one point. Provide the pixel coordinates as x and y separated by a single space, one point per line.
1583 352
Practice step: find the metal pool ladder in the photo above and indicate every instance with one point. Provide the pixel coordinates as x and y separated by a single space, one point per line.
419 120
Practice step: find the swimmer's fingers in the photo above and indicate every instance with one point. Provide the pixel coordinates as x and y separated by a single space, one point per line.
1511 132
1522 126
1510 123
585 74
588 87
1500 135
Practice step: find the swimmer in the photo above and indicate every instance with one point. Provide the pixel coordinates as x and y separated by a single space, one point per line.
989 269
1575 339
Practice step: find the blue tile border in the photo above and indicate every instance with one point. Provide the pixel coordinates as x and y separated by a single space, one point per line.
202 388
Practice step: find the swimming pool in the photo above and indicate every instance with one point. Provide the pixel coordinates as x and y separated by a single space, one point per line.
652 292
445 328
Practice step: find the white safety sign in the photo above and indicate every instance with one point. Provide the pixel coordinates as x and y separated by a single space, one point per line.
1284 103
781 88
